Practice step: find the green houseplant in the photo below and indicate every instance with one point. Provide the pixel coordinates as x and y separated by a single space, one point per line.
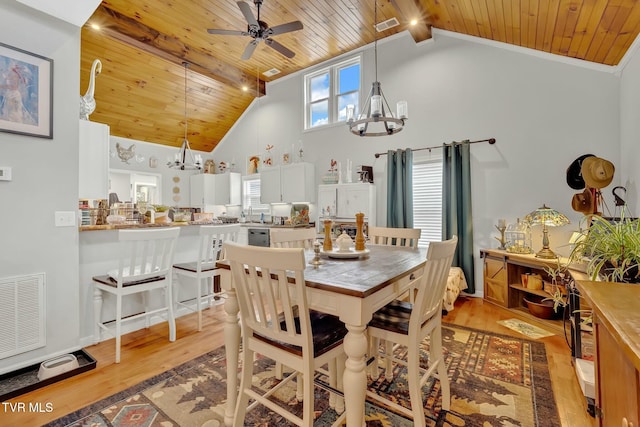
610 248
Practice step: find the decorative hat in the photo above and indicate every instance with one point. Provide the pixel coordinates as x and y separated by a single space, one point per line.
574 173
583 202
597 172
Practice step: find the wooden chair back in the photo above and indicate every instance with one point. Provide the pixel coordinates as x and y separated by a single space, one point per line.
407 237
295 238
211 239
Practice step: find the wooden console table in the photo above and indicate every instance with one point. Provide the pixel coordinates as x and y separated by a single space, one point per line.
616 321
503 286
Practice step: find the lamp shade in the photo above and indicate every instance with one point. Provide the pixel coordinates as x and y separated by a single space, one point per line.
546 216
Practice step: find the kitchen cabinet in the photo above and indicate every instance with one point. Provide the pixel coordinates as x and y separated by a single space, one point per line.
617 350
216 189
344 201
93 154
288 183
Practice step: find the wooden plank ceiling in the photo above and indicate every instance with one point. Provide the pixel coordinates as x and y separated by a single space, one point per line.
143 44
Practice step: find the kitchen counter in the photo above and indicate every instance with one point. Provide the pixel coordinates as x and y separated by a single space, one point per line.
132 226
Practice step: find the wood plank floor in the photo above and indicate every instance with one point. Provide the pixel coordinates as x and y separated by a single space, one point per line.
147 353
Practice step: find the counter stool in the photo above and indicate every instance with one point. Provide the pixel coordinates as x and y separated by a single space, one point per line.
204 267
146 257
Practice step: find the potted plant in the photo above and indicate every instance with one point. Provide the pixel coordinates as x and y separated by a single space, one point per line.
611 249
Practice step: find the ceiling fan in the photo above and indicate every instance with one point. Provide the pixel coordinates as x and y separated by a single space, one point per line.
260 31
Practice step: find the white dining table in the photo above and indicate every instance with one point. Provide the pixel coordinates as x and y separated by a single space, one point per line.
352 289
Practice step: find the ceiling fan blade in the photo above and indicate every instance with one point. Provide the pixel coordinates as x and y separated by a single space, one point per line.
248 14
248 51
285 28
280 48
227 32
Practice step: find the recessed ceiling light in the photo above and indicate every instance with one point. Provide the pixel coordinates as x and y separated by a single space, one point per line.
245 88
95 26
413 22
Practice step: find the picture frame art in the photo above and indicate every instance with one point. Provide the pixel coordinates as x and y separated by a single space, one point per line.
253 164
26 93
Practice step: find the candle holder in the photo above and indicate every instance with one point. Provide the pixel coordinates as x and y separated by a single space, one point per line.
316 261
501 239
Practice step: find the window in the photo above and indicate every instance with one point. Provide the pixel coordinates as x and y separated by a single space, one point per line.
427 198
328 92
251 195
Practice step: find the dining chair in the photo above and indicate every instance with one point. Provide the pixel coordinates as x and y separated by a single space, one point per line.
407 237
144 265
277 323
203 270
392 236
408 324
292 238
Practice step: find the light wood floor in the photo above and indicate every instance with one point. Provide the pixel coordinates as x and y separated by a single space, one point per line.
147 353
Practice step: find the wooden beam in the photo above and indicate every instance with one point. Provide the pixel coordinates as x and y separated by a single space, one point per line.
170 48
410 9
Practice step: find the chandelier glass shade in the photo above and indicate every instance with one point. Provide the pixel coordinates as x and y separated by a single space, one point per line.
377 118
184 159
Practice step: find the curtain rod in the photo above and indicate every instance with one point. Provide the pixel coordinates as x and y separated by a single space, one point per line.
490 141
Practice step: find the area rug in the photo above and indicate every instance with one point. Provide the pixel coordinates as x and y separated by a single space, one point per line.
496 380
525 328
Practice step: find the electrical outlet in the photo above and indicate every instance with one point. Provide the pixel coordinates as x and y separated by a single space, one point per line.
5 173
65 218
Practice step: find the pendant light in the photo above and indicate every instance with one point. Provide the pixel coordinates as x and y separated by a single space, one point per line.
376 118
185 159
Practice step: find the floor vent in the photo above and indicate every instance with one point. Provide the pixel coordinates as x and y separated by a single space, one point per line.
22 314
385 25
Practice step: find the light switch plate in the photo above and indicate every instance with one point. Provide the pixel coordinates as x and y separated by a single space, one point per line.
5 173
65 218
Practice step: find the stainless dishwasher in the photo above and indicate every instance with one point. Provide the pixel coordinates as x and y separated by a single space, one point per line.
259 237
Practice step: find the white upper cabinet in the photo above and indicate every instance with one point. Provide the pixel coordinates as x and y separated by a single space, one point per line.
288 183
344 201
216 189
93 154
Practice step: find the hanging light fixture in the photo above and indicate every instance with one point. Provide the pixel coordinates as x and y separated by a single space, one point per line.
185 159
376 118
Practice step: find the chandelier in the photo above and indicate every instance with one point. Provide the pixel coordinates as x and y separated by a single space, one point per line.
376 119
185 159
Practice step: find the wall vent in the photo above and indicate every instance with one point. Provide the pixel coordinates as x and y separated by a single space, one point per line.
385 25
22 314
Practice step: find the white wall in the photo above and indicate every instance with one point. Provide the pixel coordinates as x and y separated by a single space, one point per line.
630 129
543 114
45 180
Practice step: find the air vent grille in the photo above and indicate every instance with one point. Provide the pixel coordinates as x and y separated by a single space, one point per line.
22 314
272 72
385 25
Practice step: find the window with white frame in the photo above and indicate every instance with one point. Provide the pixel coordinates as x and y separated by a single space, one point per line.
328 92
251 195
427 198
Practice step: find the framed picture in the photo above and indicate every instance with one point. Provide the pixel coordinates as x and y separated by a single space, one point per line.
253 164
26 93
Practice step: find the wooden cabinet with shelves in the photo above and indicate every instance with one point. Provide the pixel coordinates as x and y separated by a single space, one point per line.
617 350
503 284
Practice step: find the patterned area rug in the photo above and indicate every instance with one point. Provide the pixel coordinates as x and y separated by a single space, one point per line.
525 328
495 381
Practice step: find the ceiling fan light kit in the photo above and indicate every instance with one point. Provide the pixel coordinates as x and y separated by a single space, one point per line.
185 159
376 118
260 31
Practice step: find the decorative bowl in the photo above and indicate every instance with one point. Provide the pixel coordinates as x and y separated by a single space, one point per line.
540 308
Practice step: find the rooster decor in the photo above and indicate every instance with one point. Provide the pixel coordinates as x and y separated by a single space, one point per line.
88 102
125 153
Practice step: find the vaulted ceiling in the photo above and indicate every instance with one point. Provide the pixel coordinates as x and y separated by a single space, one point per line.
143 45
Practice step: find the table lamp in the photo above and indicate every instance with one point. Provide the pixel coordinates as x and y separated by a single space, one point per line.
546 217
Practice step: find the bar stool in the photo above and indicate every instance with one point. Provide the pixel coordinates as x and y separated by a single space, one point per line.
204 268
144 265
